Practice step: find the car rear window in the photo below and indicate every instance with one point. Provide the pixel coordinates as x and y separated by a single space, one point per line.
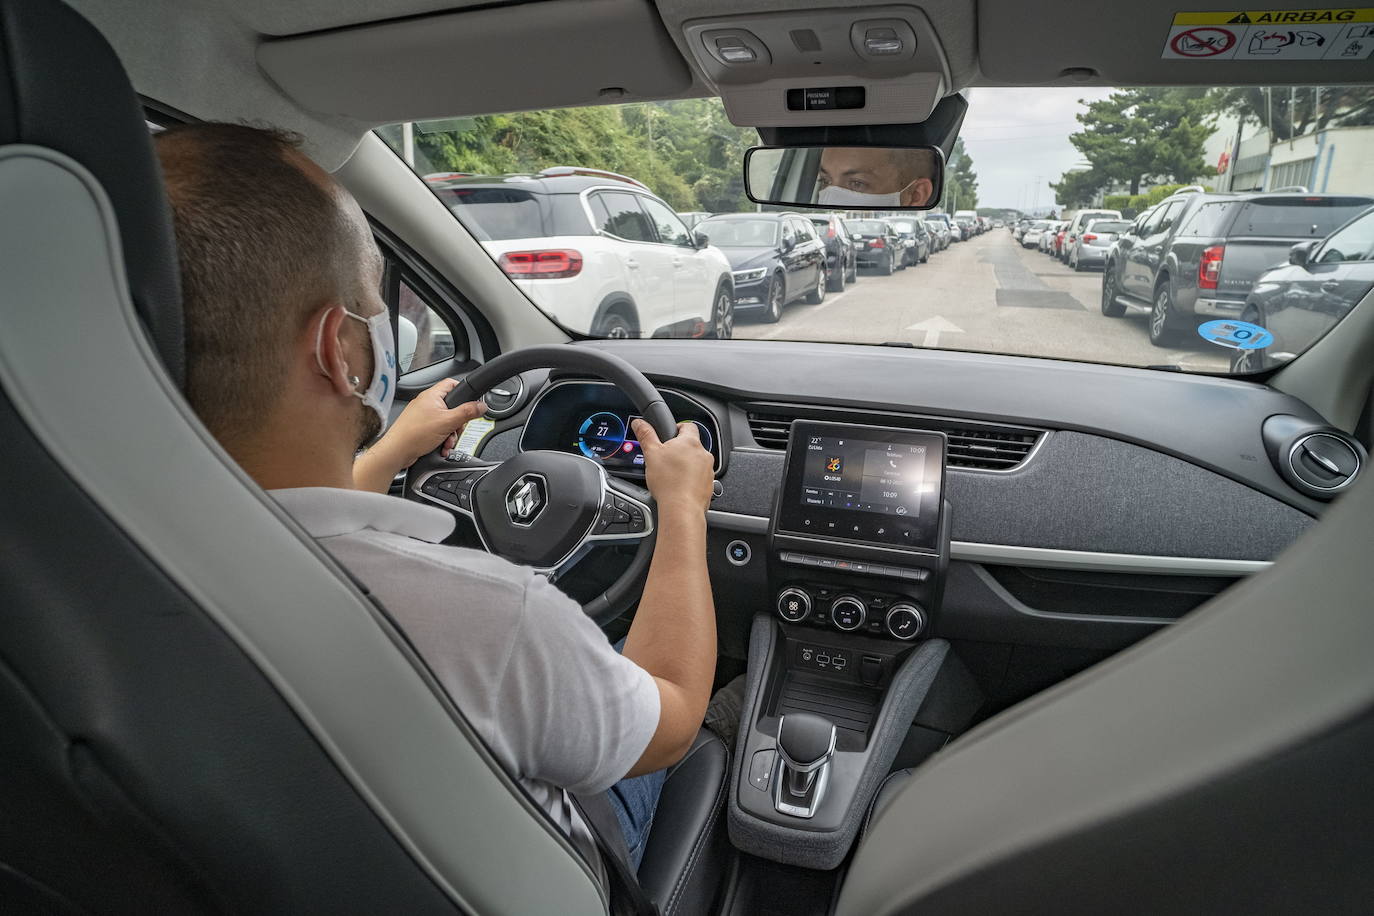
1109 225
1299 218
1208 219
868 226
496 214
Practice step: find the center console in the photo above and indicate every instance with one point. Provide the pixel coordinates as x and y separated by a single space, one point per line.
858 546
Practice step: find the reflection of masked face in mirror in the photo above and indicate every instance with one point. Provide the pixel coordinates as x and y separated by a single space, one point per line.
856 176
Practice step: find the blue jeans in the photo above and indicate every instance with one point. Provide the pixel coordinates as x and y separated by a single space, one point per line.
635 799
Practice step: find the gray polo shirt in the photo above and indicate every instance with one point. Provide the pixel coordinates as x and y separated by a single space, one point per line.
559 708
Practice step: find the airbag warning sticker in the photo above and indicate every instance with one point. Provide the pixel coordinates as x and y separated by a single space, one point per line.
1330 34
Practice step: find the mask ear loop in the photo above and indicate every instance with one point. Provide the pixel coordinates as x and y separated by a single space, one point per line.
319 339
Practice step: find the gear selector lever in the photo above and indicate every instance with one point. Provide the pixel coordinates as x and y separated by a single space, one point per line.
806 744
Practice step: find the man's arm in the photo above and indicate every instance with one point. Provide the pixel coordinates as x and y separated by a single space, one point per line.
427 423
673 636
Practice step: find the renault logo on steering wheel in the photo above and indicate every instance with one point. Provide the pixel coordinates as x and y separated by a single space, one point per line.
526 499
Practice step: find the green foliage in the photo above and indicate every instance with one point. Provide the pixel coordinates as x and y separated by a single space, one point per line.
1292 112
1126 203
961 181
1135 135
686 152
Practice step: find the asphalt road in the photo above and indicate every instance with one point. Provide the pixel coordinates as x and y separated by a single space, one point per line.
987 294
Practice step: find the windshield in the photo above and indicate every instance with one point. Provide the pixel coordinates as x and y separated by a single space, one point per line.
740 233
642 209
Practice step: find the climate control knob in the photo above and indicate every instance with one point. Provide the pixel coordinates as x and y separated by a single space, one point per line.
905 621
794 605
848 613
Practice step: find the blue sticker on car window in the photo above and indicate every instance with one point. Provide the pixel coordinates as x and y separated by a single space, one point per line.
1238 335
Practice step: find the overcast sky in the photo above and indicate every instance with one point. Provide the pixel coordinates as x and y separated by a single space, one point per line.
1019 141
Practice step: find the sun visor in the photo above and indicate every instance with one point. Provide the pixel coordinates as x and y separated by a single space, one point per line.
485 61
825 67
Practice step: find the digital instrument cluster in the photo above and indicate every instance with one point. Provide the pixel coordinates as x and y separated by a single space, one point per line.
595 419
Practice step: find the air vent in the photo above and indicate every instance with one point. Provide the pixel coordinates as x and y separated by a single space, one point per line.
974 446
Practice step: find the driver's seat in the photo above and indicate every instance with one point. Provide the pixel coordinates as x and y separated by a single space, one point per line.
200 711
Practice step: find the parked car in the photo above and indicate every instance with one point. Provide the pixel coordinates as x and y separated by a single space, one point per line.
1301 300
1047 238
1199 253
565 237
1034 231
882 244
967 220
776 258
917 238
1089 249
939 232
841 259
1077 224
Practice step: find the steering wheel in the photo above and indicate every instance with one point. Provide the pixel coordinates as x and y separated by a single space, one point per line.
548 509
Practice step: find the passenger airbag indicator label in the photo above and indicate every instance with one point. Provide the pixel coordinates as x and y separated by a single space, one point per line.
1344 33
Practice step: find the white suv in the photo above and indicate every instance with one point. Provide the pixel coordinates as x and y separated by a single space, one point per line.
598 252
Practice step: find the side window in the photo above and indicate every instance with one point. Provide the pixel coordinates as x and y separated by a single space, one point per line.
1353 243
423 338
1169 216
671 229
622 217
789 232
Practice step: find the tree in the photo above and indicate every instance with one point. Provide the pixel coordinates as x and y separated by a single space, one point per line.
686 151
1292 112
1078 188
961 181
1139 134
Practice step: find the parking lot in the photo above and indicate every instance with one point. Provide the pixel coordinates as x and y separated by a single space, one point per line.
987 294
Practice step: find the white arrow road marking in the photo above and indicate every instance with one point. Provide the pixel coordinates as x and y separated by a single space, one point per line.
934 327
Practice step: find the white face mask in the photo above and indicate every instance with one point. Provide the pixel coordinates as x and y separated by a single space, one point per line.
381 391
836 196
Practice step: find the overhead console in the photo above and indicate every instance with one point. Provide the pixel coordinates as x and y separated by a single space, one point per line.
824 67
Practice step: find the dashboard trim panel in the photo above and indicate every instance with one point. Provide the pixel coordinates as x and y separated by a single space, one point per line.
1046 557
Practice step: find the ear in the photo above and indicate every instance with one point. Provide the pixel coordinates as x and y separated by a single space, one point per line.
918 192
330 354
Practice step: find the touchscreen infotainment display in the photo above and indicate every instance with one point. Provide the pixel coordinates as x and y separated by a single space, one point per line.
873 484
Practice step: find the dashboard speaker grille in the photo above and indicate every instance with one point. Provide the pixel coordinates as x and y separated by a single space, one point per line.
974 446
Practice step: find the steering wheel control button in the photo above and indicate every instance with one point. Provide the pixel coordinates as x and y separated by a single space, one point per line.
794 605
848 613
738 553
905 621
638 523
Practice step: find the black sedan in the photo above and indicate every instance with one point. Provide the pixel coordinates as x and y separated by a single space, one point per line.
1300 301
881 246
774 257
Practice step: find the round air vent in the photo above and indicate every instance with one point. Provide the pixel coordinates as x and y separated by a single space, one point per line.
505 399
1324 463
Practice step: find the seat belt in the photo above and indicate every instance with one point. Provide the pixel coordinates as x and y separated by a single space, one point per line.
627 896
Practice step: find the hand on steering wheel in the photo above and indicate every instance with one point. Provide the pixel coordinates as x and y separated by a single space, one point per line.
547 509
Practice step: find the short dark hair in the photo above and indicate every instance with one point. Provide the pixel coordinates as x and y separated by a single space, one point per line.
262 246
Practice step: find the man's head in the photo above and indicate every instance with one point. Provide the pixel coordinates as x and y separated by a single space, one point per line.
906 177
273 253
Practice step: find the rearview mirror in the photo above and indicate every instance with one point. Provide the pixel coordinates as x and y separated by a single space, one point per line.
701 239
846 177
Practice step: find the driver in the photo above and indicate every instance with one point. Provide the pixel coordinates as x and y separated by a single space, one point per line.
290 366
875 177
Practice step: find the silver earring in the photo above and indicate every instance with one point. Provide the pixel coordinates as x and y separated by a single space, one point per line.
353 380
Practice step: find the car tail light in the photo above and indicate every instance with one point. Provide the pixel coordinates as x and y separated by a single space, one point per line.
1090 237
830 232
877 243
1209 268
547 264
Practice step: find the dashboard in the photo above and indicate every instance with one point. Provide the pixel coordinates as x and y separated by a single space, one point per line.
1075 508
594 419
